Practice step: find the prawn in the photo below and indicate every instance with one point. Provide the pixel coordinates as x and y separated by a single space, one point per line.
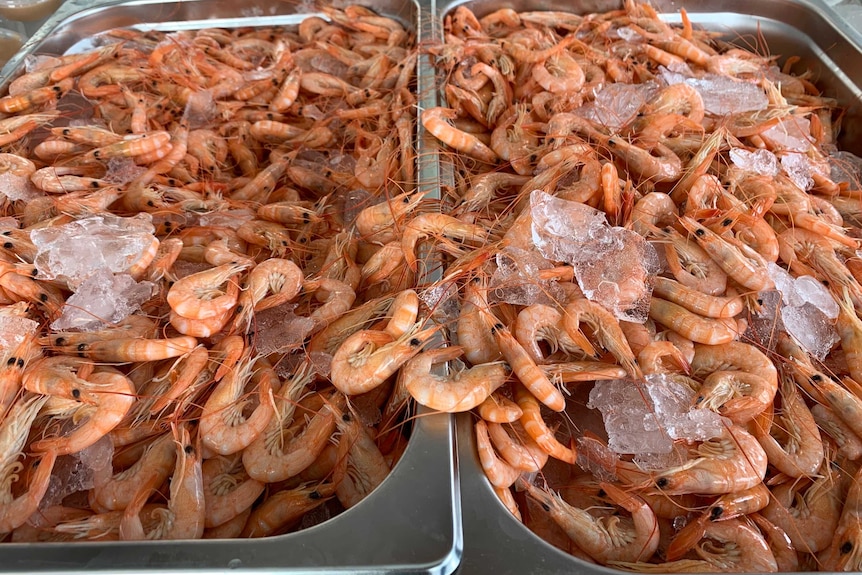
457 390
223 427
368 357
198 296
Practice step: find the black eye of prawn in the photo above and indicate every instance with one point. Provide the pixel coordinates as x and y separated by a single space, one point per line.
846 547
716 513
414 342
662 482
699 232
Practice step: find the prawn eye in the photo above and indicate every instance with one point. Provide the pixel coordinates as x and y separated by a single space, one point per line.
699 232
414 342
60 341
11 361
727 222
189 449
546 507
716 513
43 297
8 245
76 393
20 362
846 547
662 482
314 495
601 493
497 327
816 377
345 417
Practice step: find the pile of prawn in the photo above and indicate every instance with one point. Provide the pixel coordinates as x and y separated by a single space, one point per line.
272 163
780 489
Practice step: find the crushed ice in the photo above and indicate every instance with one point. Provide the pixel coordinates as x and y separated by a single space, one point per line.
614 266
74 251
762 162
646 417
103 298
807 311
721 95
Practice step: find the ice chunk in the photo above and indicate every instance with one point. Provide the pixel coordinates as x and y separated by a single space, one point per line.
811 328
103 298
232 219
17 187
279 330
645 417
122 171
799 169
766 322
629 34
442 300
784 283
723 95
78 472
200 109
516 278
13 330
597 459
845 167
560 226
791 134
617 104
614 266
760 161
75 250
815 293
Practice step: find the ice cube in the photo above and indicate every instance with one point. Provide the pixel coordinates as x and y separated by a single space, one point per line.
17 187
103 298
516 278
791 134
845 167
811 328
75 250
279 330
812 291
78 472
617 104
646 417
784 283
798 169
759 161
723 95
13 330
122 171
613 265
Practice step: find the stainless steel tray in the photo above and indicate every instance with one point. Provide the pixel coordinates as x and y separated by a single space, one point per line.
494 541
411 523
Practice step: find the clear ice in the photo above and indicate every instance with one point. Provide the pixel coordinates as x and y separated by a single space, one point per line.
74 251
811 328
17 187
799 169
616 104
103 298
646 417
846 167
791 134
762 162
614 266
13 330
516 279
79 471
807 311
721 95
278 329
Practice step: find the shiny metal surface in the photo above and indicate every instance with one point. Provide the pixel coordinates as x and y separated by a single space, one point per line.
411 523
494 541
